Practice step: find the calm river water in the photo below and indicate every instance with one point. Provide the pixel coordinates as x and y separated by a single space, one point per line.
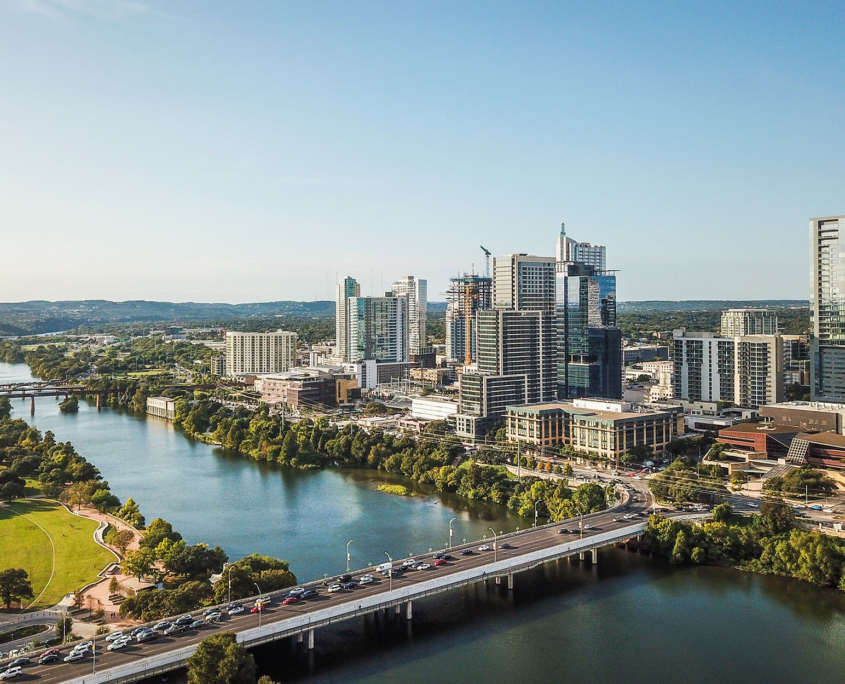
631 619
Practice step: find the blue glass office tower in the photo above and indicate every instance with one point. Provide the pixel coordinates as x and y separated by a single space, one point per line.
589 345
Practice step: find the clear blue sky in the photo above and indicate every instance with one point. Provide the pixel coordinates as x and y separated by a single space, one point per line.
253 151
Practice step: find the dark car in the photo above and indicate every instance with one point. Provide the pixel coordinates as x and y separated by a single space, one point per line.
48 658
234 605
135 632
466 552
309 594
438 556
149 635
164 624
197 624
448 557
350 585
185 620
175 629
345 578
505 545
19 662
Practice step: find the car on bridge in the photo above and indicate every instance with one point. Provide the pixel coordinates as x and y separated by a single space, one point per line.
484 547
11 673
290 600
365 579
334 588
260 608
312 593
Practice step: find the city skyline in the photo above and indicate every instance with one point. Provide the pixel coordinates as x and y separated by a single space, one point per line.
265 152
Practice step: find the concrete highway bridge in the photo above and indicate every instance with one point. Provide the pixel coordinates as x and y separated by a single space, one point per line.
500 565
34 390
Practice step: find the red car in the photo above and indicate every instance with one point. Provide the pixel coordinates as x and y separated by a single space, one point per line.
290 599
259 609
440 561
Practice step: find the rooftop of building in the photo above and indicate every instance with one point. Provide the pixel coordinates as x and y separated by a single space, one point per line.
807 406
760 428
825 438
588 411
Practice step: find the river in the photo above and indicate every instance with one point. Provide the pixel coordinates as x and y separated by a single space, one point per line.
631 619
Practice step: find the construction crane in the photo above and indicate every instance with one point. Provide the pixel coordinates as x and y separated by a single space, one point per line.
487 257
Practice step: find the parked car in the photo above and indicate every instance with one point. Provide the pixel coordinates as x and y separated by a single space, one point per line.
334 587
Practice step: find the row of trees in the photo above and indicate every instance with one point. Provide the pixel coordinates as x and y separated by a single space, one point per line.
764 543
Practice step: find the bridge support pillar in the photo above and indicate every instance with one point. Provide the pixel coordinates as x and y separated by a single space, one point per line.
409 610
595 556
510 581
98 402
398 610
299 637
498 579
32 406
581 556
310 639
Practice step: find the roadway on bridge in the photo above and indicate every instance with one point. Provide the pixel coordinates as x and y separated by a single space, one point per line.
523 542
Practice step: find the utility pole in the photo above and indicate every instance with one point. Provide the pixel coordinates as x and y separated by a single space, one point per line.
518 464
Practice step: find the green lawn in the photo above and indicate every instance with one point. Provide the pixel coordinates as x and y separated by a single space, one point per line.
78 558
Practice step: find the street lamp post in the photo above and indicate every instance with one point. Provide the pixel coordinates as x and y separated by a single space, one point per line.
450 531
581 522
260 603
347 554
495 544
229 577
536 503
389 572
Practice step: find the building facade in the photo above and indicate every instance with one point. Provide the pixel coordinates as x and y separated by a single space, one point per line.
467 295
163 407
827 308
257 353
758 370
604 428
524 283
704 366
378 329
741 322
416 292
346 289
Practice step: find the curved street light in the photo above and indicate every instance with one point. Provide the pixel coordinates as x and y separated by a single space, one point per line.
260 603
581 522
347 554
450 531
390 571
495 544
536 503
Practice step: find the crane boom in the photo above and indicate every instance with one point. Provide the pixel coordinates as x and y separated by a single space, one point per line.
487 257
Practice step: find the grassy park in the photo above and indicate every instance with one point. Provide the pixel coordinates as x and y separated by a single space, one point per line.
23 544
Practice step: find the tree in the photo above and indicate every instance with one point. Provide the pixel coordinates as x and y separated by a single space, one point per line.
722 512
775 517
63 628
103 500
5 407
219 659
266 680
139 563
14 586
114 586
158 530
11 490
567 470
131 513
69 405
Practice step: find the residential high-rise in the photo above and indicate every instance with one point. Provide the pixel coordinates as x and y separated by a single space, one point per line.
416 291
745 370
827 308
346 289
572 251
467 295
257 353
739 322
378 329
524 283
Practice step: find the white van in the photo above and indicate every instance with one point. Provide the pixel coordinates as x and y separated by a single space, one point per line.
384 567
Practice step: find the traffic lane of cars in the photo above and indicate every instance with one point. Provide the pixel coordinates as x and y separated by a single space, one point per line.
529 540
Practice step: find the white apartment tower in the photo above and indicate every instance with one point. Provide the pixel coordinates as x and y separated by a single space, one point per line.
739 322
346 289
524 283
416 292
258 353
571 251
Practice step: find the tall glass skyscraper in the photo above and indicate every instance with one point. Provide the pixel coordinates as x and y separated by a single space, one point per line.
827 308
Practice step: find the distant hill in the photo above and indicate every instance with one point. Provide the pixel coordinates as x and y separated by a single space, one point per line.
25 318
709 305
